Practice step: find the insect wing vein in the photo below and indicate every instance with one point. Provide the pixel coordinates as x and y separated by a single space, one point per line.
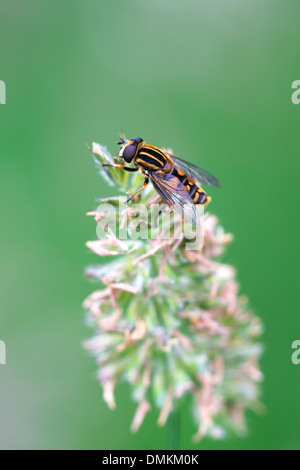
195 172
171 189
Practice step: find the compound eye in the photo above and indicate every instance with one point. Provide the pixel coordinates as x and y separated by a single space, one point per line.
138 140
129 153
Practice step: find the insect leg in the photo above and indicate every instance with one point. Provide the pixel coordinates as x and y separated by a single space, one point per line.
146 182
126 168
170 211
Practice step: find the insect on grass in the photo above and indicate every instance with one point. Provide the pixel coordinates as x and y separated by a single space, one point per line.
175 180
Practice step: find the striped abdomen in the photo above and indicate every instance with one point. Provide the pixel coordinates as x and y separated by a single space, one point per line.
197 194
151 158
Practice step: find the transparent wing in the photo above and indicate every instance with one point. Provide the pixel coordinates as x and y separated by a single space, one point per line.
195 172
171 189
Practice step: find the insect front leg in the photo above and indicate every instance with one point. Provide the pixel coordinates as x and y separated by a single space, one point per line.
122 167
146 182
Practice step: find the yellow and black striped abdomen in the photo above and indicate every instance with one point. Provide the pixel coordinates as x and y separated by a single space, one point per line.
196 193
151 158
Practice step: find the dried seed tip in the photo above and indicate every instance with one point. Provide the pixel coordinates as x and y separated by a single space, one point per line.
108 394
140 414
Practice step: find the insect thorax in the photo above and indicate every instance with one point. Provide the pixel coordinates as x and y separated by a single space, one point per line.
152 158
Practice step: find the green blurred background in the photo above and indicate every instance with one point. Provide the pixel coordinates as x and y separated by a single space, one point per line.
211 79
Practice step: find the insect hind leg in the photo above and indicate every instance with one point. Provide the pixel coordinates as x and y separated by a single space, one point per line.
146 182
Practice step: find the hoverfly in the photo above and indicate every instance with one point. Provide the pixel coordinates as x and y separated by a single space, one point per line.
175 180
